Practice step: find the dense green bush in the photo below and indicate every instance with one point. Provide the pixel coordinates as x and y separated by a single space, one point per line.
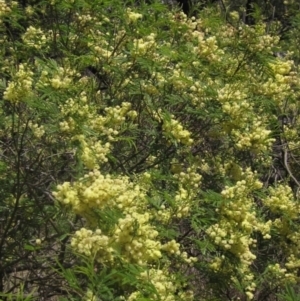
146 155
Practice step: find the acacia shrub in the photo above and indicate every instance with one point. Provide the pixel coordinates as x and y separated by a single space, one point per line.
157 132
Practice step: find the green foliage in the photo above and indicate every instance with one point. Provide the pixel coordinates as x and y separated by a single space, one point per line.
146 155
289 294
19 296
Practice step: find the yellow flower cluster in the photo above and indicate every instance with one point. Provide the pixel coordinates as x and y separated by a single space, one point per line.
99 191
83 18
237 223
93 244
257 138
216 263
74 110
114 118
233 170
34 37
92 151
238 241
257 34
191 178
137 238
133 16
163 284
133 236
234 15
150 88
249 283
244 186
172 247
182 203
293 249
178 79
38 131
102 49
281 200
293 263
116 115
282 67
68 125
190 260
38 241
188 182
236 109
90 296
4 9
29 10
276 271
143 45
291 134
208 48
62 78
173 128
78 106
164 215
21 87
247 130
279 86
234 102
